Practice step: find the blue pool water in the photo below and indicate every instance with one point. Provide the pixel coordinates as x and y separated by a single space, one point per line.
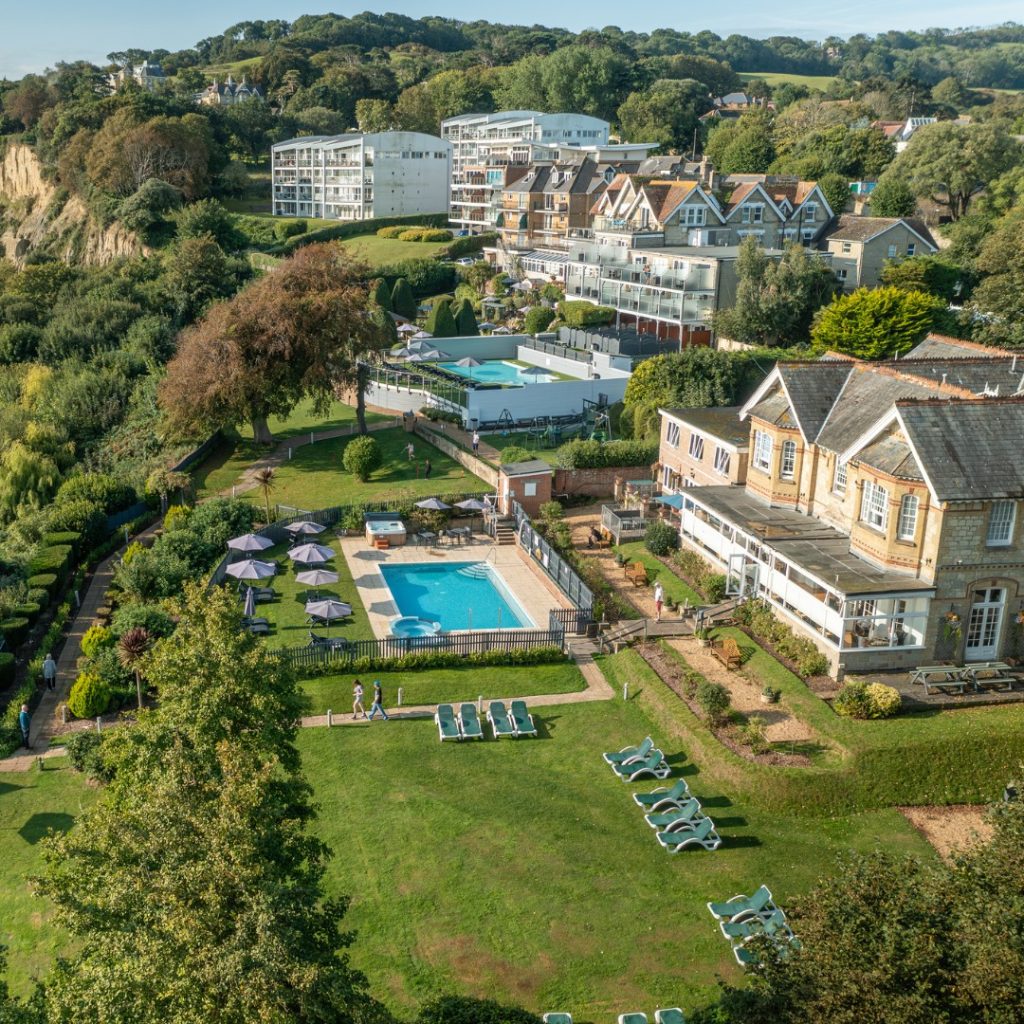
496 371
459 595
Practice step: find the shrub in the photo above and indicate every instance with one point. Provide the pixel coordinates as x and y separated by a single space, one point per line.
600 454
95 639
852 701
80 515
580 313
713 700
89 696
754 734
812 663
660 539
69 537
150 617
391 232
883 701
6 668
53 559
361 457
290 229
43 581
176 517
403 302
39 596
448 659
538 319
713 584
27 609
515 453
84 754
14 629
111 494
468 1010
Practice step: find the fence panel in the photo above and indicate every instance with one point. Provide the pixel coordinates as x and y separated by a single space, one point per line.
557 568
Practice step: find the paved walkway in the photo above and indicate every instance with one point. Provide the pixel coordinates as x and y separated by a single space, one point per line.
464 439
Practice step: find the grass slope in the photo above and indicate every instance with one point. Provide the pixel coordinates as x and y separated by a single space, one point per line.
379 252
675 587
776 78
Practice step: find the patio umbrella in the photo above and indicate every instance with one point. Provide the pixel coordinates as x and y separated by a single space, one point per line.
487 326
422 357
316 577
419 346
532 371
501 330
311 553
407 329
421 335
402 353
433 504
305 529
251 569
471 505
250 542
328 610
249 610
469 361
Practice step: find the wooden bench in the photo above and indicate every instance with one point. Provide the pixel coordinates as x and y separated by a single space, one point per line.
637 574
728 653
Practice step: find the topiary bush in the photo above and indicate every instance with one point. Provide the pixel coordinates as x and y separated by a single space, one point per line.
39 596
81 516
361 457
713 699
14 629
89 696
95 639
883 701
43 581
54 559
660 538
391 232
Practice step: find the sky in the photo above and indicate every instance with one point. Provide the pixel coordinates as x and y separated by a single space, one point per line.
37 33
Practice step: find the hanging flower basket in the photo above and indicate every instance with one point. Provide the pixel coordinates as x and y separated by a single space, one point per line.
1020 617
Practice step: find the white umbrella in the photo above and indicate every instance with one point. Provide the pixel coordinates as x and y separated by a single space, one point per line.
419 346
471 505
251 569
249 610
250 542
305 528
501 330
328 610
433 504
407 329
311 553
469 361
421 335
422 357
402 353
316 577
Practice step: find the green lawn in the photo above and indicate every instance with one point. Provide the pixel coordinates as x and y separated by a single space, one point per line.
32 803
776 78
379 252
453 684
523 871
678 589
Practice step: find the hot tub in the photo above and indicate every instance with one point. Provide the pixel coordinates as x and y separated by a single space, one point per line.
407 626
391 530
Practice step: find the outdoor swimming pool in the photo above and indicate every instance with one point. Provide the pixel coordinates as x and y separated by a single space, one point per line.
498 371
459 595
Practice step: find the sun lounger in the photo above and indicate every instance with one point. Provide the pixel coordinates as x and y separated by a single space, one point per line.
258 627
703 835
522 719
654 764
335 643
670 821
557 1018
746 957
501 724
632 1018
774 926
447 727
740 907
664 798
631 753
469 722
670 1016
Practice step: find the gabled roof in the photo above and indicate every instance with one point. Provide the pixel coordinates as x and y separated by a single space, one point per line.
809 390
893 456
719 422
851 228
941 346
743 193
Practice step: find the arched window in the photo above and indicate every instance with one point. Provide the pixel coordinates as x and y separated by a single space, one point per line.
906 527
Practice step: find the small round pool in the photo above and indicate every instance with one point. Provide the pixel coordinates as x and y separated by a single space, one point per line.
413 625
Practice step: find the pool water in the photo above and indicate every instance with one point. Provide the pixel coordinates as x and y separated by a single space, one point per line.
497 371
459 595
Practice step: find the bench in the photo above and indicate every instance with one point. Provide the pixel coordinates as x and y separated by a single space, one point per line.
941 676
728 653
991 673
636 574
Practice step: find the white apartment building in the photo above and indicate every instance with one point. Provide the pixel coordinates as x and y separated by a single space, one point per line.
491 150
359 177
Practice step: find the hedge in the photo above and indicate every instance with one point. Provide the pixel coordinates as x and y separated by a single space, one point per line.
439 659
39 596
28 610
52 559
43 581
469 243
14 629
69 537
580 313
601 454
349 229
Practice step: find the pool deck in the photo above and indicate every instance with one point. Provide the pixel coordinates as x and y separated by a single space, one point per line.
536 594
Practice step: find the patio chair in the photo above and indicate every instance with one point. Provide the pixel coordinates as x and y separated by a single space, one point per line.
522 719
739 907
469 722
664 798
627 754
501 724
654 764
632 1018
447 727
670 821
703 835
774 926
673 1015
557 1018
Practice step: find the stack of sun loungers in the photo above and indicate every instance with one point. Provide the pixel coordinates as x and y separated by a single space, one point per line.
674 814
465 723
670 1016
743 918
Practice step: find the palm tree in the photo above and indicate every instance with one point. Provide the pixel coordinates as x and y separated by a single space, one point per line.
130 648
265 479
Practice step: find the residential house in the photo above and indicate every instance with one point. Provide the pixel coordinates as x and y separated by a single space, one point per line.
881 511
734 105
147 75
702 448
860 246
360 177
228 93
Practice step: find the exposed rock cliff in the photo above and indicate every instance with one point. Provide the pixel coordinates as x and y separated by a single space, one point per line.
37 215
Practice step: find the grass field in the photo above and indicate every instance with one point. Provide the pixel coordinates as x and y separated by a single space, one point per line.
775 78
678 589
379 252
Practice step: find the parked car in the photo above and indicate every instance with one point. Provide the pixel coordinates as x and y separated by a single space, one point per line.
466 261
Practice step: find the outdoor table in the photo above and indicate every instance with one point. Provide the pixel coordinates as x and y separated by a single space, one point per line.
991 673
453 536
464 533
940 676
426 537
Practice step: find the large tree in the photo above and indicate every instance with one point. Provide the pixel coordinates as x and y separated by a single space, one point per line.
297 332
668 113
998 300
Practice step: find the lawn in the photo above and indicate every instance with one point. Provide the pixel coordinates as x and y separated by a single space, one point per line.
452 684
777 78
523 871
32 803
678 589
379 252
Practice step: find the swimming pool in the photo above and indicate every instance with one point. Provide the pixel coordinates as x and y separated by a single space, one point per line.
459 595
497 371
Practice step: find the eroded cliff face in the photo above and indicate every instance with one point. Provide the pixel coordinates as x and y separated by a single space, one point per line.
37 215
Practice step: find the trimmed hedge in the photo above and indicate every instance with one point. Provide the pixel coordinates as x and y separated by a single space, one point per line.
28 610
441 659
602 454
52 559
39 596
43 581
69 537
580 313
14 629
350 229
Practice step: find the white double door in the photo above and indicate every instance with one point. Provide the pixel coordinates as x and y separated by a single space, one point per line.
984 624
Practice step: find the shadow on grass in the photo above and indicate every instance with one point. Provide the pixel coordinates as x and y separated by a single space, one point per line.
544 725
8 787
43 822
738 842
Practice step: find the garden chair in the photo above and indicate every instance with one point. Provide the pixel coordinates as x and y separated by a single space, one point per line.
522 719
664 798
654 764
447 727
740 907
703 834
501 724
557 1018
728 653
774 926
469 722
632 1018
671 820
637 574
627 754
671 1016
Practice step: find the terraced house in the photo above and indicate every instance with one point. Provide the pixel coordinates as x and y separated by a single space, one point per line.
880 508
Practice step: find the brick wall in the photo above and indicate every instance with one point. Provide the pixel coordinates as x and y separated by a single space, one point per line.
595 483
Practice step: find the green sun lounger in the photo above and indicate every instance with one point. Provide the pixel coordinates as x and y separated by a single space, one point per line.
664 797
654 764
632 1018
447 727
630 753
557 1018
671 1016
774 926
501 724
703 835
669 821
469 722
740 907
522 719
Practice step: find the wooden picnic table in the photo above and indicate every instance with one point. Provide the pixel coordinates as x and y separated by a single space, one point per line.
941 676
991 673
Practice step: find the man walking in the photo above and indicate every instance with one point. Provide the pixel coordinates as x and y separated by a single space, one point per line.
50 672
378 701
24 723
659 599
427 469
476 442
410 451
357 700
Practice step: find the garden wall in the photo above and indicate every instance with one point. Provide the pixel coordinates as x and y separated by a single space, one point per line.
595 483
467 459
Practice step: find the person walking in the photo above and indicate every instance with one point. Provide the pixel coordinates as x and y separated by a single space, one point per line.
410 452
378 701
476 442
659 599
25 723
50 672
427 469
357 700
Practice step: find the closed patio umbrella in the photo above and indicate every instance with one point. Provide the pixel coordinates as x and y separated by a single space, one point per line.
311 554
251 569
305 528
433 504
250 542
249 610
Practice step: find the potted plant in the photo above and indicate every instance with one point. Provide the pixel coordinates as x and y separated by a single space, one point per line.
703 635
770 695
951 628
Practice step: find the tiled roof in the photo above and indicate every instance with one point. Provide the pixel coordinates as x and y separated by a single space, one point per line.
939 346
722 423
893 456
665 196
774 409
813 389
851 228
